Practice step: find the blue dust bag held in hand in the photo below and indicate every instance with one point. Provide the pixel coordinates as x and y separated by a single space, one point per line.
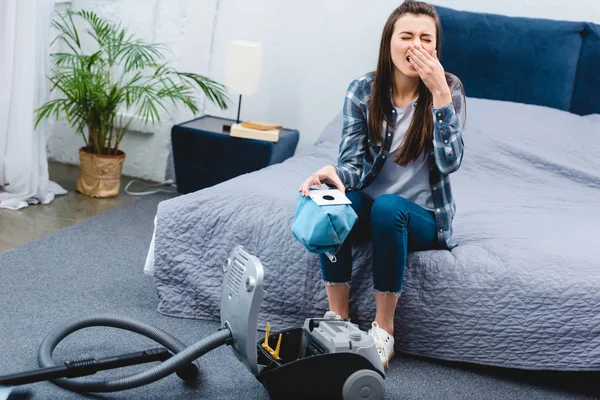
4 392
322 228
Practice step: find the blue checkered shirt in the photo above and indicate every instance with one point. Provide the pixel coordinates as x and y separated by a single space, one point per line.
360 159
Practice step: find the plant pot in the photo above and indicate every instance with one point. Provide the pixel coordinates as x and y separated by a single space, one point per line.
100 175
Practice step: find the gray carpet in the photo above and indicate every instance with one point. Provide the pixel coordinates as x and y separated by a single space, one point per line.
96 267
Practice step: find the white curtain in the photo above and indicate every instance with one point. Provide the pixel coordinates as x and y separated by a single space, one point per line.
24 44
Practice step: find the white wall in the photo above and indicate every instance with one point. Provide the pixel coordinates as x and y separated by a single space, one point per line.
312 50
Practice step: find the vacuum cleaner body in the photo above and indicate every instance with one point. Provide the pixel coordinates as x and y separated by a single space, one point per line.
325 358
241 298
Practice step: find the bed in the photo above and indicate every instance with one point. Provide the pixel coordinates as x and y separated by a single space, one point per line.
521 290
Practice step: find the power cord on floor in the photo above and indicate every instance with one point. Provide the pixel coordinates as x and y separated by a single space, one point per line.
168 182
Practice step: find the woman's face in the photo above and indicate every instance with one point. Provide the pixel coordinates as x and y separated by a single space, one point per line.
409 29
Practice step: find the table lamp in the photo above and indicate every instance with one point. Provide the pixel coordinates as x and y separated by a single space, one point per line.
244 60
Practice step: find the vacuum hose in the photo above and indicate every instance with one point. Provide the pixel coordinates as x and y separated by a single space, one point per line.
183 355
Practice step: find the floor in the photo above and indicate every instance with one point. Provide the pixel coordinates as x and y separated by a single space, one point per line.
33 222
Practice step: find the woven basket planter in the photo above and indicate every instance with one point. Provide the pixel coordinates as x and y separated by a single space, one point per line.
100 175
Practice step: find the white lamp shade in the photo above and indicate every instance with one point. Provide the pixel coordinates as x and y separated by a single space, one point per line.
244 61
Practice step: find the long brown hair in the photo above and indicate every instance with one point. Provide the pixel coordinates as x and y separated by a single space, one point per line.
419 136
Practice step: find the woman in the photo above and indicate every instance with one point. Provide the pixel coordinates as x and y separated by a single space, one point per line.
401 139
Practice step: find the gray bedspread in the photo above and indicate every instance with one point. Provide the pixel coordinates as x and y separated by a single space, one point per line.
521 290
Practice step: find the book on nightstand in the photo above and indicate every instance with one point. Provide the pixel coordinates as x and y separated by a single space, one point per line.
256 130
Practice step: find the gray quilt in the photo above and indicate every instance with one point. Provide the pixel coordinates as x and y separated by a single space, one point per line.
521 290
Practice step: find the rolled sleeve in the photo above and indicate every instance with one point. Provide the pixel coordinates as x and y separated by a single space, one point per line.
348 177
443 116
354 136
448 143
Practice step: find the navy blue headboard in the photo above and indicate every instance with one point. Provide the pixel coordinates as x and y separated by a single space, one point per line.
586 99
525 60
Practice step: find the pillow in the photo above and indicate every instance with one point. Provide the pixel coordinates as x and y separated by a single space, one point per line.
531 142
332 132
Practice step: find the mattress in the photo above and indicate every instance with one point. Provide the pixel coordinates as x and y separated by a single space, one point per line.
522 289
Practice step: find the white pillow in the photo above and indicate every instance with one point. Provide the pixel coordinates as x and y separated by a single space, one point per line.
550 137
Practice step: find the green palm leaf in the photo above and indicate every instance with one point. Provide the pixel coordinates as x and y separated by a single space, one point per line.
123 73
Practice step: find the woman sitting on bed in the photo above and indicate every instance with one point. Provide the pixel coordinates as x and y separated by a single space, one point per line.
401 139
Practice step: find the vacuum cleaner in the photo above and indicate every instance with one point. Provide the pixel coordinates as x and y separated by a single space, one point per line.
326 357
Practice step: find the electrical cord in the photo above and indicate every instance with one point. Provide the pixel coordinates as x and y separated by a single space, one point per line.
168 182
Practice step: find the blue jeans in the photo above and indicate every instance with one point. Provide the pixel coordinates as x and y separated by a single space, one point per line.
396 226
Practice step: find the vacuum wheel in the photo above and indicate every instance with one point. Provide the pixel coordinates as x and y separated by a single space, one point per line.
363 384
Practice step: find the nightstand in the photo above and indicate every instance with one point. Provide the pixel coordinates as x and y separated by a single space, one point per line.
204 155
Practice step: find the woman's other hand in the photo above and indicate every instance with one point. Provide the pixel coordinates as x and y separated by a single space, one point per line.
328 175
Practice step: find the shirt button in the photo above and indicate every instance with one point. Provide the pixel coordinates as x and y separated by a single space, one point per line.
393 111
441 230
440 121
446 141
383 157
389 134
439 114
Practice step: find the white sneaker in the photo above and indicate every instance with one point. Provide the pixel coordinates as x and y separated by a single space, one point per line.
384 342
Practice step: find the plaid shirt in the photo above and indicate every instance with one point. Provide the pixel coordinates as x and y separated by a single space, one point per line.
360 160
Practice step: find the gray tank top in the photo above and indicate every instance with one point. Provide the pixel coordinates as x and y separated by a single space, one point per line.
411 181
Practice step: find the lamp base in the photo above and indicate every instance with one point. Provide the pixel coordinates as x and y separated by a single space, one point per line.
227 128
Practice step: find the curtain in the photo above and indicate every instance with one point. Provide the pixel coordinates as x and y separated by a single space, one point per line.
24 46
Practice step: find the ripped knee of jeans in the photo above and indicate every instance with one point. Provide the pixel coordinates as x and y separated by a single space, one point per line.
327 283
385 293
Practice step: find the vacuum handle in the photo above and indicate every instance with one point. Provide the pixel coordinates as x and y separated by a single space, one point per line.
90 366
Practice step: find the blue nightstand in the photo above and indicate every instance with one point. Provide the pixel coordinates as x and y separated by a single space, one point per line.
204 155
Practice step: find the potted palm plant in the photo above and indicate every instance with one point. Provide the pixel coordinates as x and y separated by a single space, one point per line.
100 90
